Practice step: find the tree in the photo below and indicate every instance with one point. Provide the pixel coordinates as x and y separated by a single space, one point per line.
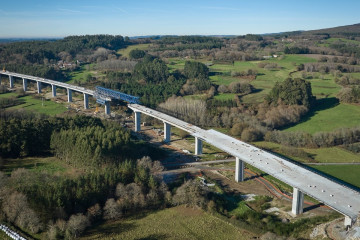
112 210
196 70
136 54
291 92
76 225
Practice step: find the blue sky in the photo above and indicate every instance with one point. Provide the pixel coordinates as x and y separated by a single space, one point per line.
35 18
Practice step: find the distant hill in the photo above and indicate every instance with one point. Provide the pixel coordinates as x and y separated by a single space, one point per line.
342 30
9 40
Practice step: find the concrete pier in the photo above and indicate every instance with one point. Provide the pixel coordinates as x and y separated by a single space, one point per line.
25 84
239 170
38 87
167 132
11 79
69 94
298 202
107 108
86 101
53 90
137 121
198 146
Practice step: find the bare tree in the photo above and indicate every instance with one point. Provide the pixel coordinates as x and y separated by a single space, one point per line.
112 210
76 225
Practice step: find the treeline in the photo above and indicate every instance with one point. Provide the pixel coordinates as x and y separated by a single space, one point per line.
347 49
188 42
36 51
38 70
330 67
296 50
343 136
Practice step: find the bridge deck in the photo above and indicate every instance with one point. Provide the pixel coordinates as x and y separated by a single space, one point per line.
332 194
51 82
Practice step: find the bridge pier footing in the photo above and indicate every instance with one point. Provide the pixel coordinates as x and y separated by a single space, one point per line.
38 87
86 101
198 146
25 84
69 93
11 79
239 170
167 132
348 222
137 121
298 202
53 90
107 108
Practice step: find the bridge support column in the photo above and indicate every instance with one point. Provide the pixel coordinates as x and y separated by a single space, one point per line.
11 79
348 222
69 93
137 121
53 90
239 170
38 87
86 101
167 132
298 202
198 146
107 108
25 84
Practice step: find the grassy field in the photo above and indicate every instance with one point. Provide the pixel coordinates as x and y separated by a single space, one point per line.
173 223
352 175
50 165
47 107
32 104
321 155
342 115
125 51
81 74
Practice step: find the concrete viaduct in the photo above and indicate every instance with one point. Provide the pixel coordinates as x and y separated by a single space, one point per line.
337 196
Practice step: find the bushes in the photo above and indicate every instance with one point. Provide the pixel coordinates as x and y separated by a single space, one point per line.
240 87
283 115
251 135
350 95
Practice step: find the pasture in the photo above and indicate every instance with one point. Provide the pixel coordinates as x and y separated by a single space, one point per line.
172 223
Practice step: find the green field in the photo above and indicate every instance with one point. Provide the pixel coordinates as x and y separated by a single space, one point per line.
46 107
342 115
8 95
81 74
173 223
125 51
321 155
50 165
32 104
351 175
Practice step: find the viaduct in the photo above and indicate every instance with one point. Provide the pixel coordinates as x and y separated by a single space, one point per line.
304 181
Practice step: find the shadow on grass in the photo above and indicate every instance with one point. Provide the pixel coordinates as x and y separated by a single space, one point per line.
154 237
110 228
307 209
